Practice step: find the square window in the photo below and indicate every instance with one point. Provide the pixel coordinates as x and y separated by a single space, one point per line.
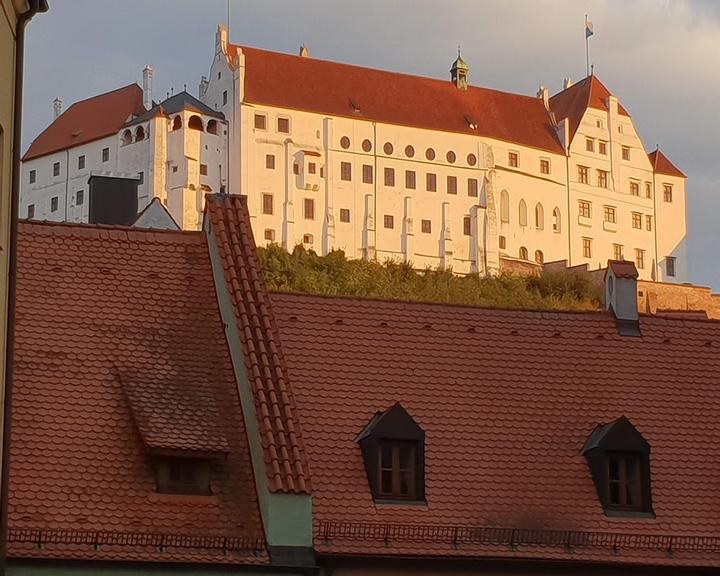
667 192
389 221
344 215
270 161
426 226
79 197
467 226
309 209
389 177
312 168
625 153
602 148
472 187
670 265
269 235
637 220
81 162
283 125
431 182
33 176
56 169
544 166
602 178
53 204
345 171
617 252
610 214
267 203
105 154
639 258
31 211
175 169
587 247
648 223
513 159
584 209
410 179
182 476
635 188
583 174
452 184
308 239
589 144
367 174
260 122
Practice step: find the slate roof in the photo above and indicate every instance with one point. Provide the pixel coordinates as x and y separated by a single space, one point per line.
623 268
88 120
662 165
174 104
97 305
324 87
285 459
507 400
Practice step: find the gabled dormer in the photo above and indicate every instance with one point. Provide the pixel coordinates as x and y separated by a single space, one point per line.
619 460
393 449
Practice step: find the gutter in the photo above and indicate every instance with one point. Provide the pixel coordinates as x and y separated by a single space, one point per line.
36 6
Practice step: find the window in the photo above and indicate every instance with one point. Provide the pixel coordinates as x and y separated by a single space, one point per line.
504 206
556 220
602 178
345 171
584 209
539 257
176 125
182 476
308 239
270 161
431 182
366 145
212 127
260 122
522 213
389 176
195 123
544 166
175 169
203 168
389 221
618 252
127 136
639 258
602 148
224 97
388 148
31 211
472 187
410 179
539 216
79 197
344 215
56 169
53 204
623 480
267 204
513 159
667 192
309 209
589 144
635 188
397 469
583 174
345 142
450 157
471 159
296 168
467 226
430 154
625 153
610 214
33 176
670 265
105 154
599 123
81 162
502 242
283 125
648 223
367 174
523 253
312 168
648 190
637 220
141 175
409 151
426 226
452 184
269 235
587 247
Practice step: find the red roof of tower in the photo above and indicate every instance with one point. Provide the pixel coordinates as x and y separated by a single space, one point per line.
662 165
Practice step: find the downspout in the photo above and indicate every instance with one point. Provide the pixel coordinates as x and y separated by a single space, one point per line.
657 269
375 180
567 187
36 6
67 180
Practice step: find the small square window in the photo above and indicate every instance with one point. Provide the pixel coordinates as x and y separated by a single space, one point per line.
513 159
389 176
105 154
31 211
175 169
260 122
345 171
625 153
670 265
283 125
56 169
467 226
410 179
452 184
587 247
589 144
33 176
270 161
81 162
367 174
344 215
602 148
269 235
54 204
309 209
426 226
308 239
267 203
431 182
544 166
182 476
389 221
79 197
472 184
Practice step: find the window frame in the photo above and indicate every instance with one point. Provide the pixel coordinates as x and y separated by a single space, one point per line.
637 220
610 214
640 258
623 479
451 185
583 174
81 162
513 159
269 161
544 166
32 176
105 155
668 193
389 177
582 205
431 182
283 119
54 204
268 207
260 116
344 215
396 470
587 247
410 180
473 187
309 208
346 171
602 178
368 176
670 270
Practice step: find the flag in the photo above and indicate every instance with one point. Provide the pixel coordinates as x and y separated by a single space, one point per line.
588 28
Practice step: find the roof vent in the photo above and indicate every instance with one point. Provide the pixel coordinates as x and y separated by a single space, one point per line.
304 52
567 82
621 296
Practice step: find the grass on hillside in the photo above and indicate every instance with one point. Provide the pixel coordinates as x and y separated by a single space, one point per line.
305 271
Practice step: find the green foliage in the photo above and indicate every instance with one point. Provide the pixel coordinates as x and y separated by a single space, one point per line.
305 271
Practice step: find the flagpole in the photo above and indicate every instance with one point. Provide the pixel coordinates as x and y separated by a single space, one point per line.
587 49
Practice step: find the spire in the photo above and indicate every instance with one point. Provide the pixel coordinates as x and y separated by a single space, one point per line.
459 72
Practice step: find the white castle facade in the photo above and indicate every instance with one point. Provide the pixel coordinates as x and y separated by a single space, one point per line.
432 172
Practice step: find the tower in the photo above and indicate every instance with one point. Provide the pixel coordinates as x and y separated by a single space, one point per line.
459 72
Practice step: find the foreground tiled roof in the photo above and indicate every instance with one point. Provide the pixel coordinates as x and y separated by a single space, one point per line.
285 459
324 87
507 399
96 304
662 165
177 103
88 120
572 102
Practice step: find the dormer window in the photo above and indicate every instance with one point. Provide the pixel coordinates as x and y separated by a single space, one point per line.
393 449
619 459
181 475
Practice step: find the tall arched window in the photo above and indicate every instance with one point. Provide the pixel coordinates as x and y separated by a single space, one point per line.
504 206
523 253
556 220
177 123
195 123
212 127
139 134
539 256
522 213
127 138
539 216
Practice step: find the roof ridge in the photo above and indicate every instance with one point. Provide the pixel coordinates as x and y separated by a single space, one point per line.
104 94
85 226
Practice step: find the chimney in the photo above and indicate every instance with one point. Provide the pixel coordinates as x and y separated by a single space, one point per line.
202 89
147 87
57 107
544 95
567 83
621 296
221 39
304 52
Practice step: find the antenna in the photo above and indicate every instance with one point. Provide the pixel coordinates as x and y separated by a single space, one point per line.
228 20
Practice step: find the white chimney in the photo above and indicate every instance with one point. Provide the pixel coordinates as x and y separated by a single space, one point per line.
57 107
621 296
567 83
304 52
147 87
544 94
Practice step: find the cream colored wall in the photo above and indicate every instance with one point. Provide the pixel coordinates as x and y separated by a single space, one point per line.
672 227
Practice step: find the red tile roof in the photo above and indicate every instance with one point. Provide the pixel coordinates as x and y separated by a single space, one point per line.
623 268
661 164
88 120
285 458
324 87
507 399
572 102
95 303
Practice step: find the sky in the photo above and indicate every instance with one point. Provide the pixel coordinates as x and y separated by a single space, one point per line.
660 57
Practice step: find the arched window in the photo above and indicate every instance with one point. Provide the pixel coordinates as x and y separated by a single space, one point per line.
177 123
127 138
195 123
523 253
522 213
139 134
556 220
539 216
212 127
539 256
504 206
